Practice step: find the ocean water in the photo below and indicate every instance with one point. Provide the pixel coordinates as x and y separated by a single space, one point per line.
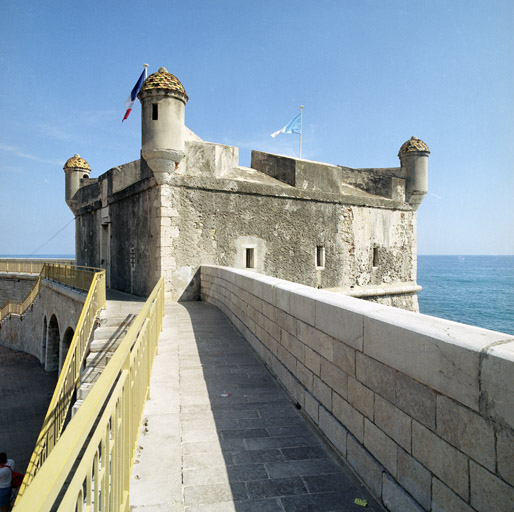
474 290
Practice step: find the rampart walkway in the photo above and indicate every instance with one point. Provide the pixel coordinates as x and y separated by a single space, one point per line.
219 433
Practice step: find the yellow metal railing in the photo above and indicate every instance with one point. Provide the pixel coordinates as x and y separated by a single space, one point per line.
72 275
28 266
90 466
70 374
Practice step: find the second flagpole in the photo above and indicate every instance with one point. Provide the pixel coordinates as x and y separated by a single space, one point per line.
301 129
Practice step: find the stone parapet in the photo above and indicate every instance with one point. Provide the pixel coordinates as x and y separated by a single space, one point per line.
421 408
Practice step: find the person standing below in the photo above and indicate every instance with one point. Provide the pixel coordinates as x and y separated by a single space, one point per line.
6 469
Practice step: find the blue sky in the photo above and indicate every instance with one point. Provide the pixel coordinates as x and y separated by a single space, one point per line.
369 73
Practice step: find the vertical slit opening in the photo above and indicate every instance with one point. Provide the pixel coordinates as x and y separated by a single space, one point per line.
155 112
249 257
320 256
375 256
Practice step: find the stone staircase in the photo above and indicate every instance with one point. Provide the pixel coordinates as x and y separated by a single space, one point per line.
112 325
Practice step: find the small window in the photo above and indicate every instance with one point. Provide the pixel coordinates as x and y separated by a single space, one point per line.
320 256
155 112
250 257
375 256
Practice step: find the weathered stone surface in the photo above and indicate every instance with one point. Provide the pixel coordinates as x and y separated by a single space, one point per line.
382 447
417 400
313 361
505 454
443 355
344 358
376 376
322 392
360 397
450 465
444 500
350 417
467 431
395 423
395 498
365 465
334 377
488 492
496 377
414 478
346 326
334 431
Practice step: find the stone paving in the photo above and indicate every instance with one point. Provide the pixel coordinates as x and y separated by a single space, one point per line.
25 393
219 434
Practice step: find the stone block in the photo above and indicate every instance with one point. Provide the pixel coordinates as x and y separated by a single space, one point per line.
488 492
287 359
360 397
333 430
395 498
302 305
264 288
286 321
350 417
467 431
497 383
395 423
340 323
416 399
445 500
382 447
505 454
305 376
442 459
344 357
313 361
322 392
414 478
304 332
376 376
311 407
293 345
364 465
443 355
322 344
334 377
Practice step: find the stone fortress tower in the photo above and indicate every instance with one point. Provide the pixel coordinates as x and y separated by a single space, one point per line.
163 101
188 202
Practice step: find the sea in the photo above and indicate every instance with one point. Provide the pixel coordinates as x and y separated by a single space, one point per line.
474 290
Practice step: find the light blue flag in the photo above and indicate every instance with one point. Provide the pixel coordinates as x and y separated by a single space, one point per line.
294 126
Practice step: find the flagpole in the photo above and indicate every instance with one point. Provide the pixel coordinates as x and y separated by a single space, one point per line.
146 70
301 128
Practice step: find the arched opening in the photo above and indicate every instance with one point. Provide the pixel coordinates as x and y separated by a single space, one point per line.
43 344
52 347
65 346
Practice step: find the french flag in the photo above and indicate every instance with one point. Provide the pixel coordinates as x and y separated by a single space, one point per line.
129 102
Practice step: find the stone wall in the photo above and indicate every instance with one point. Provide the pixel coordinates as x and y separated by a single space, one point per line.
27 332
118 228
15 287
361 245
422 408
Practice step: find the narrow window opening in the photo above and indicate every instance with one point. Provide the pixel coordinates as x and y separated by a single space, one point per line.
250 257
155 112
375 256
320 256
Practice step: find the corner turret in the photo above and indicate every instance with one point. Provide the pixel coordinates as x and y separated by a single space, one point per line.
75 169
163 100
414 161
